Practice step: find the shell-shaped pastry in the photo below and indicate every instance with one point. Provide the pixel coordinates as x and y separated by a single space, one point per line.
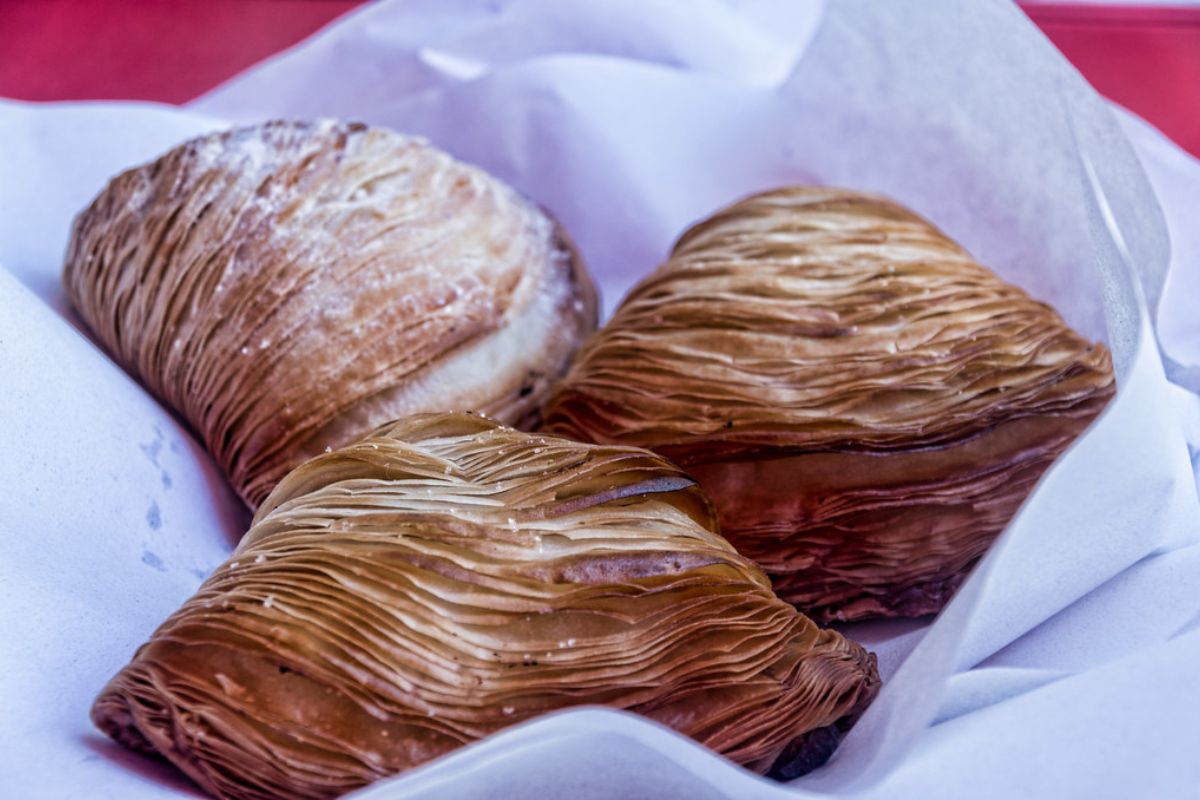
866 405
289 286
446 577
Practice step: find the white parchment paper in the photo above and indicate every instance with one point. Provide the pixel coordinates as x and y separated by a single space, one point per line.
1066 664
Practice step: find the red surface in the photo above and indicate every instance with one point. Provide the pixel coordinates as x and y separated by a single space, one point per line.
167 50
1146 58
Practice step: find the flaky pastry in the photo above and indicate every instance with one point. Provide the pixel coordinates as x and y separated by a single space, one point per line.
866 405
446 577
287 287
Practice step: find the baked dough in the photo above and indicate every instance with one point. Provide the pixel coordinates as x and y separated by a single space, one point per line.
289 286
866 405
446 577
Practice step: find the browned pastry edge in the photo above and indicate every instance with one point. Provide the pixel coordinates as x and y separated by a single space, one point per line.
286 287
866 405
810 751
864 535
447 577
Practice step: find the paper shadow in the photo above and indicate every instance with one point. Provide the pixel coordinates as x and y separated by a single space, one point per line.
151 770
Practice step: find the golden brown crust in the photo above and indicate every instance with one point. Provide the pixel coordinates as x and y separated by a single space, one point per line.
804 353
446 577
289 286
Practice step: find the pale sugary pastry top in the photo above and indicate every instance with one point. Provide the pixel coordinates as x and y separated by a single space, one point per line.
288 286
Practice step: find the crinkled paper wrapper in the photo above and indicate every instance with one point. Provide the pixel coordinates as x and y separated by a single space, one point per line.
1065 665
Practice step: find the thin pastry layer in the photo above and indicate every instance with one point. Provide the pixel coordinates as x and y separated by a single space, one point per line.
289 286
446 577
866 405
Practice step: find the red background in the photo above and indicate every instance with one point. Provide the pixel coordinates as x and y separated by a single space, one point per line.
1146 58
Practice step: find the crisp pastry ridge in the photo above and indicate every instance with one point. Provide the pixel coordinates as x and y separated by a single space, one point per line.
864 402
286 287
446 577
